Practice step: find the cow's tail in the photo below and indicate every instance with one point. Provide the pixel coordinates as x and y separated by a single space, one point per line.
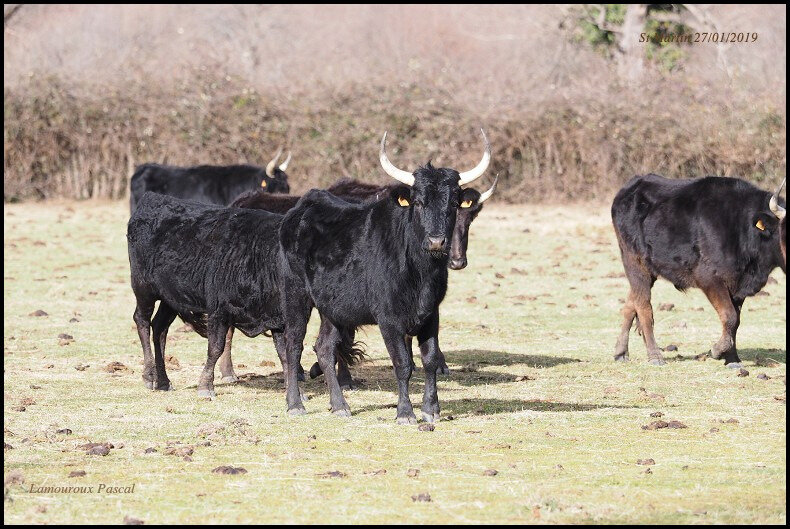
346 352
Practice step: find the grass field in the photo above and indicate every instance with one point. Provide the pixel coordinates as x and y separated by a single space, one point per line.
545 427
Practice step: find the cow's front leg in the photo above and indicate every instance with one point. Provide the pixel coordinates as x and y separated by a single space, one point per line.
428 338
401 362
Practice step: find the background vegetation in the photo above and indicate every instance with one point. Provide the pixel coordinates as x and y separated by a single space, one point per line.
572 107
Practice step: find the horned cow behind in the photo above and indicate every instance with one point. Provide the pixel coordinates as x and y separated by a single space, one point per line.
210 184
383 263
721 235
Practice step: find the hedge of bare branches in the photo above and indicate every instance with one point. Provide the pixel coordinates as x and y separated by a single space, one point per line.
63 142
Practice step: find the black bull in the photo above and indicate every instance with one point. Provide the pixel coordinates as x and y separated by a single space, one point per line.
209 184
721 235
471 203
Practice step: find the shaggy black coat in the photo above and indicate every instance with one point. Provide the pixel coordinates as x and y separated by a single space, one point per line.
356 191
713 233
383 262
207 264
210 184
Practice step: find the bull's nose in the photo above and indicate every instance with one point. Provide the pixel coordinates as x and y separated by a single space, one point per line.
435 243
457 264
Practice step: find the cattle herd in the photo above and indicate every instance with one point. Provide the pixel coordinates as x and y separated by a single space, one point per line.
226 247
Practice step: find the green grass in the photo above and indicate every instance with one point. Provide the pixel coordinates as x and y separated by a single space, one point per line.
565 443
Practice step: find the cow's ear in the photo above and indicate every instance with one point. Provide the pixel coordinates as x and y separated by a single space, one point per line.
469 198
764 223
401 195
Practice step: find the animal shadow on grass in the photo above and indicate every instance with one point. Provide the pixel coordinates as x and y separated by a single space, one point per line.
500 358
483 407
758 356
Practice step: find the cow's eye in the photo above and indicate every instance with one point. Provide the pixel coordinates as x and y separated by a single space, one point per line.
263 183
466 204
760 225
403 202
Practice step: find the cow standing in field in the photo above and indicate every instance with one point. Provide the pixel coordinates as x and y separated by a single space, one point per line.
383 263
721 235
213 266
471 203
210 184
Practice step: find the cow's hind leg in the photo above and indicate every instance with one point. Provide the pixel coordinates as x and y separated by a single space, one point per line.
161 323
730 316
226 361
217 332
402 363
296 307
142 318
641 281
629 315
328 342
279 344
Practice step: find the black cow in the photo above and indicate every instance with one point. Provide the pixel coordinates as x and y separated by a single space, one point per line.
721 235
383 263
210 184
213 266
471 203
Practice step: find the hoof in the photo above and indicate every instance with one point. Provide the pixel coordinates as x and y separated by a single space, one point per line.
206 394
407 420
430 417
348 387
230 379
297 411
656 362
164 387
149 384
622 357
342 412
734 365
315 371
443 370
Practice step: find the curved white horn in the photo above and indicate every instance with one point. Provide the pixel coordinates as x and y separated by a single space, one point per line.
284 165
270 166
477 172
776 209
398 174
485 196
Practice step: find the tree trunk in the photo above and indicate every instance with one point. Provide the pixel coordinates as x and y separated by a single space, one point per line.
631 62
